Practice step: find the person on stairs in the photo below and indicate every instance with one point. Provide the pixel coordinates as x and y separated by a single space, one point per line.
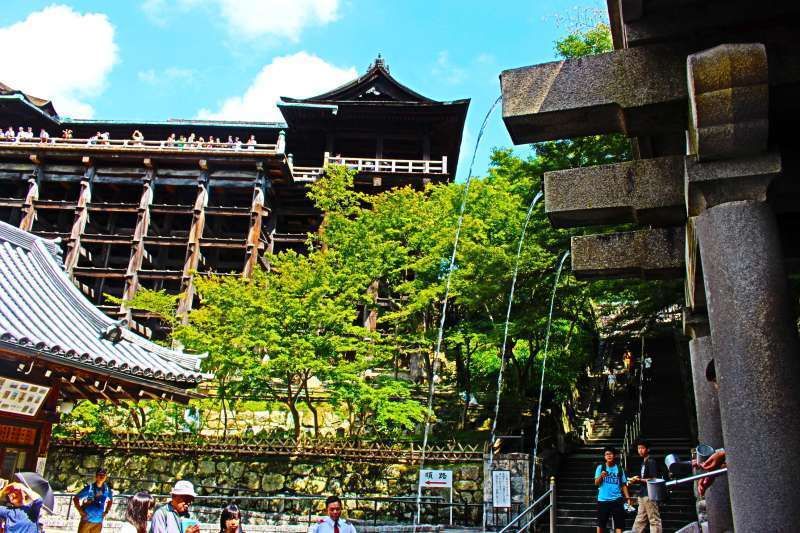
612 483
648 512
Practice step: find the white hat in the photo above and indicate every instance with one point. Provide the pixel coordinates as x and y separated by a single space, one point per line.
183 488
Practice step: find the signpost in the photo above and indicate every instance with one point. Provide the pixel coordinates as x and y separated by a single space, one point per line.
438 479
501 488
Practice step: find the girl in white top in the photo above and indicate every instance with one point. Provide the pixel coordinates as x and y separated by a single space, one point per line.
140 509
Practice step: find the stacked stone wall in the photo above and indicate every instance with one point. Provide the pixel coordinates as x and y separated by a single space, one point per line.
69 469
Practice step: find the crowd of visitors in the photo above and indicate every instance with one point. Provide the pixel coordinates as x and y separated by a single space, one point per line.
94 501
101 138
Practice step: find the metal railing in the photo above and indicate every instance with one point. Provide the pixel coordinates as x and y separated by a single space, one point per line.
530 515
298 509
633 427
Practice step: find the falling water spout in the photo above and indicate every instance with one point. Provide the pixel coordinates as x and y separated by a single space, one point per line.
451 267
544 367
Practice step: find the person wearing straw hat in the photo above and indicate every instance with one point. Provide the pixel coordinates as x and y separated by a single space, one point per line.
174 516
21 513
93 503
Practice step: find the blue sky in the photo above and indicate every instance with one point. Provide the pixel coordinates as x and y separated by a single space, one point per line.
158 59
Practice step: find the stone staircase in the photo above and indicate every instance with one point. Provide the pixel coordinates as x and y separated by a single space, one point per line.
664 424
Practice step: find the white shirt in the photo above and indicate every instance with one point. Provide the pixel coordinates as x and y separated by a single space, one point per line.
127 527
326 526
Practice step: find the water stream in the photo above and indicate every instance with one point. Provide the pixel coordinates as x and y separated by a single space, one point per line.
451 267
505 329
505 336
544 367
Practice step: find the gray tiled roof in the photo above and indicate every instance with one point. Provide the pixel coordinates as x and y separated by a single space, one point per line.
41 310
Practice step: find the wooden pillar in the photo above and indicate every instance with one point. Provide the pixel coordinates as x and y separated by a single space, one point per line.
49 416
426 147
80 219
193 247
257 212
371 314
137 245
379 147
28 207
330 142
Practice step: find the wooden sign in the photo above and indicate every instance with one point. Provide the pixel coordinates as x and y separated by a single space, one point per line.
21 398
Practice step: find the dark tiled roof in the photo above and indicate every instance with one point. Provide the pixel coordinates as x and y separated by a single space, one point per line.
41 310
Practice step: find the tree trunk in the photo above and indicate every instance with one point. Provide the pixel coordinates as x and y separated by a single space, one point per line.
291 402
311 408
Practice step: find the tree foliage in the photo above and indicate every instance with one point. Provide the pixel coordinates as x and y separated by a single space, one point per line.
307 323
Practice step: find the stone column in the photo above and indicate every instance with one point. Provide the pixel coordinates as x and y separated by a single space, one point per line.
709 423
755 345
757 361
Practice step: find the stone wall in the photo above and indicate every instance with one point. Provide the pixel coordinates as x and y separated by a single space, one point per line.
68 470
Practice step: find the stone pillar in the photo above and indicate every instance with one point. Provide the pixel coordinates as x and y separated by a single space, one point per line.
757 361
709 423
755 345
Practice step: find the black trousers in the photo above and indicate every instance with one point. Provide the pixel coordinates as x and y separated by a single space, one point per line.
614 509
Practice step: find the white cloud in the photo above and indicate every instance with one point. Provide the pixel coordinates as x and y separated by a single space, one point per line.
170 75
61 55
253 19
445 70
298 75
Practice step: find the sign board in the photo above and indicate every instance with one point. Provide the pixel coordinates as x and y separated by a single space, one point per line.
433 479
21 398
501 488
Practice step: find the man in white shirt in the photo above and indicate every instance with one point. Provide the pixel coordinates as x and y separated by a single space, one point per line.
334 523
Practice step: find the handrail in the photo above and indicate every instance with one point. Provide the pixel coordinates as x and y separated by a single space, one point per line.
633 427
551 493
394 166
131 144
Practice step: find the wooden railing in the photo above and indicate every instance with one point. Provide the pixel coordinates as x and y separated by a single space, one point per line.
393 166
306 174
257 446
134 145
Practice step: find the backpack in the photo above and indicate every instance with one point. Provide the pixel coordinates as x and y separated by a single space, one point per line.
603 468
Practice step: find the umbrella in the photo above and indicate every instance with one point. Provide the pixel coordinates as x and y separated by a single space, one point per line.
40 486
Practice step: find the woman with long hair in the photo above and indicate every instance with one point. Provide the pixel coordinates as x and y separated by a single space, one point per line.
139 511
230 521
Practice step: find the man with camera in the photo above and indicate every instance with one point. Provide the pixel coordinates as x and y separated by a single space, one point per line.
612 484
93 503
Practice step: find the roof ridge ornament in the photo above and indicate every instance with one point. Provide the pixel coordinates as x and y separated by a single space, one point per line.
379 62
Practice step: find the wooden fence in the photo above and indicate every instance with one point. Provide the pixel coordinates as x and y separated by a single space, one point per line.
256 446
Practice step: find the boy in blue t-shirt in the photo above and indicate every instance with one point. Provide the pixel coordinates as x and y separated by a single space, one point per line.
612 483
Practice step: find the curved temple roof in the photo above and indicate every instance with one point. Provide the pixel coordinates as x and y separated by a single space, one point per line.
41 311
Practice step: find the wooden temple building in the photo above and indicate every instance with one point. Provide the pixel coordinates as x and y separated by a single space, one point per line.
155 213
57 348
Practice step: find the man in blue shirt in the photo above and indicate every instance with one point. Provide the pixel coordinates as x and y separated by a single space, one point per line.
612 484
93 503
